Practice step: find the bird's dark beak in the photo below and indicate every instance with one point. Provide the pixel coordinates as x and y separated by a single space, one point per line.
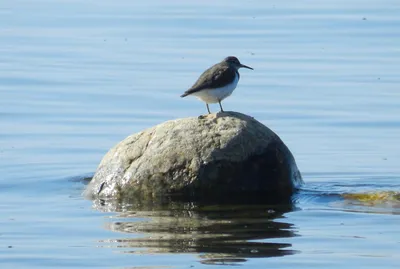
245 66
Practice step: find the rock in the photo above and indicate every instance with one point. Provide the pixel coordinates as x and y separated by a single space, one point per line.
219 154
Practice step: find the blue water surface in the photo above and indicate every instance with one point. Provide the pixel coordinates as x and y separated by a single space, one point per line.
79 76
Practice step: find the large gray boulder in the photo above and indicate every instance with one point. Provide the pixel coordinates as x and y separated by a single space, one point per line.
219 154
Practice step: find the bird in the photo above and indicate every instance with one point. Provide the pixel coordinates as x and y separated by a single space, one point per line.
217 82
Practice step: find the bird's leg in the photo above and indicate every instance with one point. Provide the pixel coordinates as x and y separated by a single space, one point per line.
222 110
208 109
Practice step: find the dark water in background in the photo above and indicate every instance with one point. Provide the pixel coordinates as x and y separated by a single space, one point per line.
78 76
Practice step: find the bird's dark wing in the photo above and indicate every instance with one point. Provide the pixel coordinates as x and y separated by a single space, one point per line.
215 77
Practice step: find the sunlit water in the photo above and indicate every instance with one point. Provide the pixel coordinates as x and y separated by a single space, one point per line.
78 76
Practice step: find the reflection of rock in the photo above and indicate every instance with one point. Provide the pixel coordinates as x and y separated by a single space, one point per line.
222 233
217 154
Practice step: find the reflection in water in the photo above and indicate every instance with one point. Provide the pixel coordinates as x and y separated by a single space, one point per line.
223 233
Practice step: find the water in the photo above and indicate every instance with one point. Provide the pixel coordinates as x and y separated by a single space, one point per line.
77 77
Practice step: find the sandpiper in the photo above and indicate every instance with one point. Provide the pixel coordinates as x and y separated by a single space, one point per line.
217 82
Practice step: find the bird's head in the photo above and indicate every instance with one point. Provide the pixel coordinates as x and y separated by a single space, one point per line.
233 61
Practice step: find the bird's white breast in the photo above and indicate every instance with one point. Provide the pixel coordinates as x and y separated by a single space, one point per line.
211 96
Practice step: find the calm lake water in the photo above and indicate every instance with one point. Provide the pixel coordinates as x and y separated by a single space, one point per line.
79 76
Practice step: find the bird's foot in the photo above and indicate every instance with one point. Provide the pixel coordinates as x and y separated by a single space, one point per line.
202 117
